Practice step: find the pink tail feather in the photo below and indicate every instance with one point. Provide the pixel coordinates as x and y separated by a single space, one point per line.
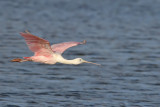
26 57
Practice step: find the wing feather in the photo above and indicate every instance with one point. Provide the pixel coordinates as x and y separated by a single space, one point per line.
37 45
61 47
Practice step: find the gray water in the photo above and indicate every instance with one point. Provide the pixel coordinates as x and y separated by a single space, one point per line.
122 35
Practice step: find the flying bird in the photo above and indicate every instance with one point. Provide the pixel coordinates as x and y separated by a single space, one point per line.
48 54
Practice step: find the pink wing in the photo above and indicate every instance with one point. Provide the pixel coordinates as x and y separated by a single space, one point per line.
61 47
37 45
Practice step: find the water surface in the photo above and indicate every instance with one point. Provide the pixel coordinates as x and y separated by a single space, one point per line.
123 36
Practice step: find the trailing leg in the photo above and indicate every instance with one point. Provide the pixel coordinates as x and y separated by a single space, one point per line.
19 60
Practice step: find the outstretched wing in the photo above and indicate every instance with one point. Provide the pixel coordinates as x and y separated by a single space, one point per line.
61 47
37 45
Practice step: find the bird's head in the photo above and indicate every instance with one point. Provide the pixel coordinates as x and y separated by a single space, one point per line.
80 60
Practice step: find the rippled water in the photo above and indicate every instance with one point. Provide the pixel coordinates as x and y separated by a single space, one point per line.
122 35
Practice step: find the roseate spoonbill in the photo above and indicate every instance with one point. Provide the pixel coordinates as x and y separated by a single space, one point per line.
48 54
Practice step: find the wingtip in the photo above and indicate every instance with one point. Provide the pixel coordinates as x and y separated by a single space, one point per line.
26 31
84 42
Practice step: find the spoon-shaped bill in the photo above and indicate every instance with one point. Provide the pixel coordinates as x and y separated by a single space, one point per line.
91 63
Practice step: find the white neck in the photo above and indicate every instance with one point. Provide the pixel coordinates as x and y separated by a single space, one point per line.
60 59
65 61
